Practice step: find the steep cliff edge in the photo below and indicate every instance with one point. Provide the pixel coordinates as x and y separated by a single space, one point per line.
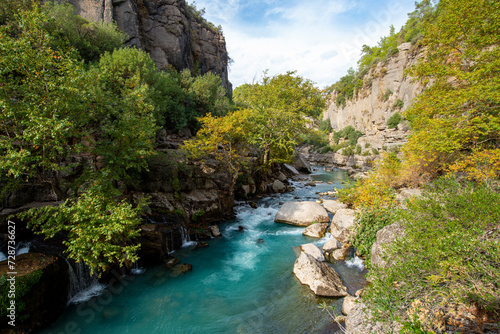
386 90
169 30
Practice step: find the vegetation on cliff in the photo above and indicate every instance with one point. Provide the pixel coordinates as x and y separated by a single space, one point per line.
412 32
80 112
449 254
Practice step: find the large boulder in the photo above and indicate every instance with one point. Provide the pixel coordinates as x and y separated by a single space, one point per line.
290 170
333 206
301 214
314 251
385 236
316 230
331 245
300 163
322 279
359 321
342 223
279 187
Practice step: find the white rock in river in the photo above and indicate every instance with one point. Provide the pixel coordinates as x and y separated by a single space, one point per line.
316 230
333 205
301 214
314 251
322 279
331 245
342 223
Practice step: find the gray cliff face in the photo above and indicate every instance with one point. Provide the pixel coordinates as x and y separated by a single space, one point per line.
167 30
369 110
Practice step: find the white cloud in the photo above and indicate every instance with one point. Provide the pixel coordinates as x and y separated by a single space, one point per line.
320 39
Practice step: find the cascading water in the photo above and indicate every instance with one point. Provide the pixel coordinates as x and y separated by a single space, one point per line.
2 257
186 239
82 285
23 247
242 283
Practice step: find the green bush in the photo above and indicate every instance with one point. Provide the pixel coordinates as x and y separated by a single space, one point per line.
375 151
325 126
399 104
385 96
348 151
450 252
90 39
367 224
394 120
358 149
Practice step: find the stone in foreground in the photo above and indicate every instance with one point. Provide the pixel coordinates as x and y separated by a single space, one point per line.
321 278
342 223
301 214
333 205
314 251
316 230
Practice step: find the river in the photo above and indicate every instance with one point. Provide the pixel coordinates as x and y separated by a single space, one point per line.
239 284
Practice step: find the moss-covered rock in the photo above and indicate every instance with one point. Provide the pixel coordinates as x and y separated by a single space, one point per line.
41 291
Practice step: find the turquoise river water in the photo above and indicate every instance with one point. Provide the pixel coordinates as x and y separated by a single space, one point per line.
238 284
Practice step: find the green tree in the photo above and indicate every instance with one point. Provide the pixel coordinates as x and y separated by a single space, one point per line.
279 106
459 110
90 39
59 125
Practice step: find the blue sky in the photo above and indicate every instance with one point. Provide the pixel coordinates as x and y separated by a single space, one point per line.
320 39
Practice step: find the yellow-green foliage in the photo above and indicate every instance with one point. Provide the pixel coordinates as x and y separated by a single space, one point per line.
377 188
459 111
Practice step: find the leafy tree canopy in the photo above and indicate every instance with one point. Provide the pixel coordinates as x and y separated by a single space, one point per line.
458 114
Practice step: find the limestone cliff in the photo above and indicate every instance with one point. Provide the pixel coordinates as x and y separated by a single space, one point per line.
377 100
167 29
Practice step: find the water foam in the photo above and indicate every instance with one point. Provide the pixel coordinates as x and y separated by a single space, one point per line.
2 257
23 248
85 295
355 262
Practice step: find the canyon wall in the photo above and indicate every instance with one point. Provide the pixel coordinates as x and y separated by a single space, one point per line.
169 30
386 90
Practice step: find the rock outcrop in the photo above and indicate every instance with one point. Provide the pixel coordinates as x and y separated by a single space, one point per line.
316 230
384 86
41 288
321 278
342 223
359 321
169 30
301 214
385 236
333 205
314 251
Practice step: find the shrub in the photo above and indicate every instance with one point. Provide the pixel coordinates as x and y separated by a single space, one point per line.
90 39
394 120
385 96
367 224
399 104
325 126
375 151
450 252
358 149
367 145
348 151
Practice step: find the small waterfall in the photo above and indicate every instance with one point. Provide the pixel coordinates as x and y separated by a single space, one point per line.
2 257
136 270
23 247
186 239
82 286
